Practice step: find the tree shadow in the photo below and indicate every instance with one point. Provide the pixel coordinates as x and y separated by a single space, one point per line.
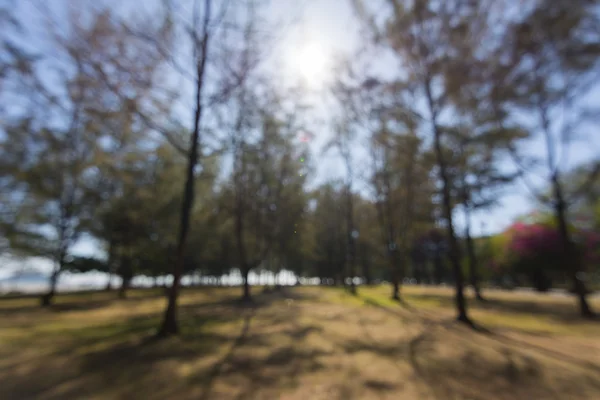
472 374
380 385
514 374
503 339
84 306
282 365
121 356
96 299
560 311
217 368
127 356
396 313
301 333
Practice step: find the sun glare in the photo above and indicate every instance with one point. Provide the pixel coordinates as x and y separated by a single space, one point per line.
310 64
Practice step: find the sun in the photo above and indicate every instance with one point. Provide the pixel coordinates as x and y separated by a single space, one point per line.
310 63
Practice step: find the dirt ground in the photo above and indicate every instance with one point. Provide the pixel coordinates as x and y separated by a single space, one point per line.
300 343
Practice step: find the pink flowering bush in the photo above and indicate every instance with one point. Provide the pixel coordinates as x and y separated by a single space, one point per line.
528 240
535 250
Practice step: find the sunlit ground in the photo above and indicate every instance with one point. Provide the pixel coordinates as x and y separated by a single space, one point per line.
302 343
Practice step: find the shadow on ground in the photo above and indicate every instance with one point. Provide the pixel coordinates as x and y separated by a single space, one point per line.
124 359
563 312
287 344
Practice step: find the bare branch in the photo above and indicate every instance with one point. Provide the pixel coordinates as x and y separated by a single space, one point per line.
523 174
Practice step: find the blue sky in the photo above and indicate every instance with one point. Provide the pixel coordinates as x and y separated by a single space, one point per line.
330 26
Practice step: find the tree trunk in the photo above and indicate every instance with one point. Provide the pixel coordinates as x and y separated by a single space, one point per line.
572 258
447 209
437 268
170 325
540 280
472 257
395 270
429 271
351 254
395 289
46 299
124 287
454 256
245 268
417 266
111 261
367 272
246 271
126 273
276 279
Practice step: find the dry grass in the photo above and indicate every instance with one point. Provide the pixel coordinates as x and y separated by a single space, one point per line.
304 343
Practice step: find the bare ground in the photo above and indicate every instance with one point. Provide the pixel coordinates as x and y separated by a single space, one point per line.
302 343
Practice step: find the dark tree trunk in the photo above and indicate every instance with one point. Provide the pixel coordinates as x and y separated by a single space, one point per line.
126 273
169 325
540 280
245 268
419 267
124 287
438 269
395 273
46 299
447 210
351 254
429 275
239 230
111 261
454 252
395 289
472 257
367 272
572 258
246 271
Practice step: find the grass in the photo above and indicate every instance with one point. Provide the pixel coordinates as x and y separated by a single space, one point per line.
307 342
513 310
